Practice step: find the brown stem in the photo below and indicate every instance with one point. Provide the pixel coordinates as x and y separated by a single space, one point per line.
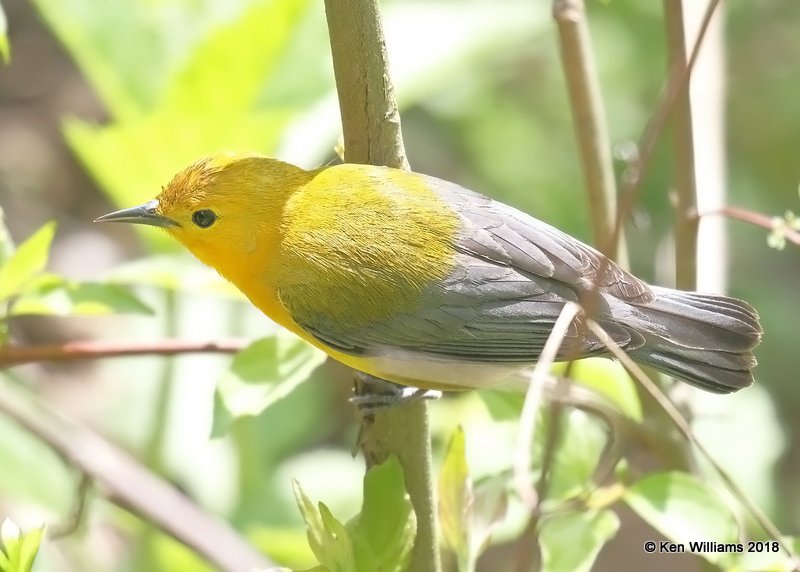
371 126
588 115
755 218
127 483
96 349
676 82
686 223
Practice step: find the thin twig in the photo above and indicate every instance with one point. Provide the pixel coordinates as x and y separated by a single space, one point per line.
78 512
125 482
637 168
591 130
683 426
533 399
685 195
755 218
97 349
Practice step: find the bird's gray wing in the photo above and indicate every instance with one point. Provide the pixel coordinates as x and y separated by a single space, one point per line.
502 234
483 312
512 277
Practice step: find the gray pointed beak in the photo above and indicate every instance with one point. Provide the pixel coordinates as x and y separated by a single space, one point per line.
143 214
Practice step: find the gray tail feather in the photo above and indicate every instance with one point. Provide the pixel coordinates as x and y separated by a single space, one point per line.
703 339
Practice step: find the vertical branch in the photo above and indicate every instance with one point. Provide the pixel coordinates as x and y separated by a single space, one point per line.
708 102
371 126
591 130
370 120
686 221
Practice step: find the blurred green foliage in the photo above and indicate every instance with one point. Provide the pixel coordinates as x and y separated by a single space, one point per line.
483 105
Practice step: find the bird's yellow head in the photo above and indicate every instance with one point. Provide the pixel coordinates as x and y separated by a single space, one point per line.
222 207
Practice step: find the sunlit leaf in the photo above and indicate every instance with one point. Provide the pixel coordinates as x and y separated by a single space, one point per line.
571 541
338 547
56 296
328 538
27 262
261 374
385 530
18 550
5 48
132 161
6 242
765 556
128 49
608 379
582 440
684 509
172 272
456 500
605 377
282 543
315 531
503 405
489 510
225 73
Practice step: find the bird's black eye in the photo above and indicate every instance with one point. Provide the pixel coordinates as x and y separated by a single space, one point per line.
204 218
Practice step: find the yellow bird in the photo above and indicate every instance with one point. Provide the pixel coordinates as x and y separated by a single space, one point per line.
422 282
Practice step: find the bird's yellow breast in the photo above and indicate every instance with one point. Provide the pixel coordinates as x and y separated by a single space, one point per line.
358 243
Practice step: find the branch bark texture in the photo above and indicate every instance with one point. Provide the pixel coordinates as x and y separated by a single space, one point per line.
371 127
591 129
686 221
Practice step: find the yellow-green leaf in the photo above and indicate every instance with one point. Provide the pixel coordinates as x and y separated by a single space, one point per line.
18 550
261 374
571 541
456 499
56 296
27 262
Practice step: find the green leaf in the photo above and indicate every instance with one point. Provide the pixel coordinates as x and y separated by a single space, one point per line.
27 262
6 242
765 557
5 48
503 405
328 538
385 530
261 374
684 509
128 49
489 510
582 441
338 548
571 541
226 73
56 296
18 550
607 378
281 543
172 272
133 160
315 531
456 499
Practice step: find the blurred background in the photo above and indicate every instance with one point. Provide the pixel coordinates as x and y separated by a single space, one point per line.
103 101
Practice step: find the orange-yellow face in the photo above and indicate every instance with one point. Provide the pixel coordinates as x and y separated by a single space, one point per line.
224 208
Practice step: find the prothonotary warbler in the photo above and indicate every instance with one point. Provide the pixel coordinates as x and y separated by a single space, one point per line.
419 281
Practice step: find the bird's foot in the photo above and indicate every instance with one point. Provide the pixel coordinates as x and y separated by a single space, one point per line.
373 394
